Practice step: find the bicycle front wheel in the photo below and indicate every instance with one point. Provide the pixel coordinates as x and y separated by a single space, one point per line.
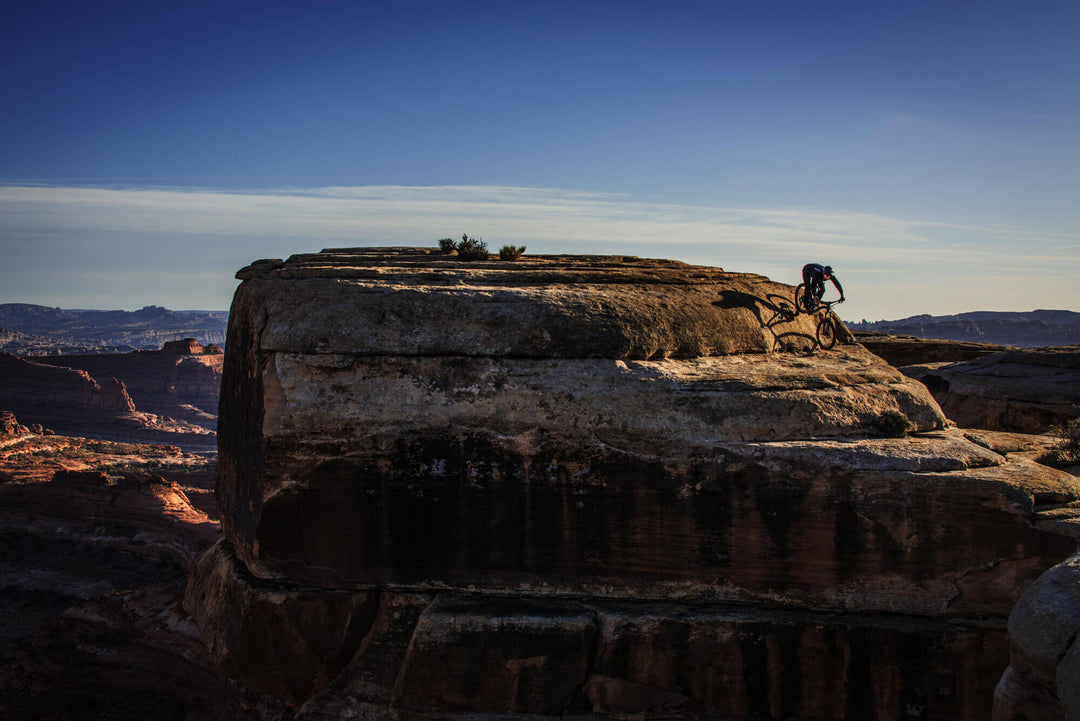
826 332
799 291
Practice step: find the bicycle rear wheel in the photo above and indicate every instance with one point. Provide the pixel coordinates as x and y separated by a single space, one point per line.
826 332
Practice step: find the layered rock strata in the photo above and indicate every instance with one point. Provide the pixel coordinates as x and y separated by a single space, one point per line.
88 396
1022 391
905 350
182 381
596 485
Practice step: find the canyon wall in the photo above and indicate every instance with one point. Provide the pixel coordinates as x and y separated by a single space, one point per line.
167 396
905 350
181 381
96 539
1022 391
607 486
37 393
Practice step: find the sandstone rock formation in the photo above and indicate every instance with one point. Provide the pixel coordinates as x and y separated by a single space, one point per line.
596 485
94 522
1023 391
1042 682
10 428
905 350
90 395
182 381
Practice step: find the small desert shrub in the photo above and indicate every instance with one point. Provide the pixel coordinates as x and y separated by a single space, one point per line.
1068 435
510 252
472 249
447 245
891 424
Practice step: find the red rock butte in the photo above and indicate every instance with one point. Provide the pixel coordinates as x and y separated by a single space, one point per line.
574 485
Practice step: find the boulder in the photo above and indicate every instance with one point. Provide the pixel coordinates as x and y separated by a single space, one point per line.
602 485
1042 682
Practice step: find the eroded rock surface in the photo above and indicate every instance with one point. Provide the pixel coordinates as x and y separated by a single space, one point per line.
596 485
1042 682
80 519
182 381
905 350
149 397
1023 391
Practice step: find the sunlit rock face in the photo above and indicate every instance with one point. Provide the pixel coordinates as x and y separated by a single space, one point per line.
606 485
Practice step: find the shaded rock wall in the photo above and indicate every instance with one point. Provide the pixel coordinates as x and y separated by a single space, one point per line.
596 485
1023 391
39 393
1042 682
184 386
905 350
171 398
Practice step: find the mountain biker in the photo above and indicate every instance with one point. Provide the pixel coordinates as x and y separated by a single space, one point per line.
814 276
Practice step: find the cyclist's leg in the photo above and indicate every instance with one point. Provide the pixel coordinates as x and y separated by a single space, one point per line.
808 284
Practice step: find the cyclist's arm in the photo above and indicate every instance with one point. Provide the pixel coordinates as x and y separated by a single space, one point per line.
839 288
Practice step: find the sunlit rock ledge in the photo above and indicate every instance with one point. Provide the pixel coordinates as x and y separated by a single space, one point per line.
400 427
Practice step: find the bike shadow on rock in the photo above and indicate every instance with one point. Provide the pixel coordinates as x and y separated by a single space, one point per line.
773 312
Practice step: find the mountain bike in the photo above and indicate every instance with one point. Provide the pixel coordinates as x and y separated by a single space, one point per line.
828 324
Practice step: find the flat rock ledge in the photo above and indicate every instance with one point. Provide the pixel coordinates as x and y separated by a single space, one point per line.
597 485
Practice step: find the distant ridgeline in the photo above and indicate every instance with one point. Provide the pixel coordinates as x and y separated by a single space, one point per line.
1032 329
27 329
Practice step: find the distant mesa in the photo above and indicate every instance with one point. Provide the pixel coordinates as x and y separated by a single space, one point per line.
27 329
190 346
1032 329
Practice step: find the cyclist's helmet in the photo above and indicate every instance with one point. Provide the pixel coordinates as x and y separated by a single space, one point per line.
828 270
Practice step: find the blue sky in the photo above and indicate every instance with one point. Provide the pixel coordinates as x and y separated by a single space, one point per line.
930 151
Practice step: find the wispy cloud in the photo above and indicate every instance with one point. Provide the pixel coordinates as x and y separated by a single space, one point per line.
51 234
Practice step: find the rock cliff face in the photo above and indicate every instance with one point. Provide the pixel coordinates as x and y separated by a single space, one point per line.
42 394
905 350
1022 391
182 381
596 485
166 396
